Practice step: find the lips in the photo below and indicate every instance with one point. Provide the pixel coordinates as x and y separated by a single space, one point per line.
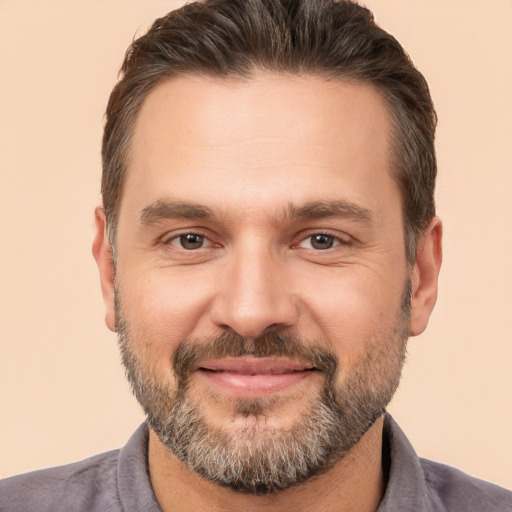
255 365
254 376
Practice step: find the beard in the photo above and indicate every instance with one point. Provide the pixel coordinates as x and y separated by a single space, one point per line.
253 457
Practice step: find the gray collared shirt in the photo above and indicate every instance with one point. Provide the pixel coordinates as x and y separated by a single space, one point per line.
119 481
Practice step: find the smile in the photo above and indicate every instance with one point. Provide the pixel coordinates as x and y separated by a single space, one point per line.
250 376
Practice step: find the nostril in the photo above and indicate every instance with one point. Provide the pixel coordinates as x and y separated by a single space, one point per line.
251 309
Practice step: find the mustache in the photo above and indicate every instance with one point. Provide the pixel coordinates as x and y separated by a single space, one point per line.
191 354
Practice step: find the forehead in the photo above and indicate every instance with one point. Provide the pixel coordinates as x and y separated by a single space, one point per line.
298 134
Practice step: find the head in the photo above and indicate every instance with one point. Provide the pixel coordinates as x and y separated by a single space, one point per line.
327 38
268 198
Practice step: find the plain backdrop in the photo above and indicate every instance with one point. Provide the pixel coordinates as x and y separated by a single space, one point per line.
62 390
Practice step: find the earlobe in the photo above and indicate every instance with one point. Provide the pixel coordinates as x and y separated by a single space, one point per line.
103 255
424 277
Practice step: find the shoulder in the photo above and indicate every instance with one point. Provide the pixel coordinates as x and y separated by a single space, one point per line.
456 490
425 486
82 485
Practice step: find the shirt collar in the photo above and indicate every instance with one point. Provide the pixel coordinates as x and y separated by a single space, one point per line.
406 487
133 483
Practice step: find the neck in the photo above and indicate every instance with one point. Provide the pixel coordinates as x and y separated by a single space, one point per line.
356 483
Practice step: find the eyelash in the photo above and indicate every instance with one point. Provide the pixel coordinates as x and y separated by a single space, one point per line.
336 241
176 238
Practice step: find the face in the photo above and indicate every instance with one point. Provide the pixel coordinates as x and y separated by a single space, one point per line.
262 291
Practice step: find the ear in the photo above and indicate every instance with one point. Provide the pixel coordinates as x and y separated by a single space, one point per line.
429 255
103 255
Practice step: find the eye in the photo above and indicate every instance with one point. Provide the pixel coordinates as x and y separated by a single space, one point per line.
320 242
189 241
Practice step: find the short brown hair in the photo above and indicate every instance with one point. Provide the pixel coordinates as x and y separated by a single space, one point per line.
336 39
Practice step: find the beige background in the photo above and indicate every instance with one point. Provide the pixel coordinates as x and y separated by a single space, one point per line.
62 390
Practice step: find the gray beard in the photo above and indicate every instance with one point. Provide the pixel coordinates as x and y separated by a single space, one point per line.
255 459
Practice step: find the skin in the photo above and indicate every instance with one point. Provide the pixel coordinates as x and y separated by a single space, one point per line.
246 150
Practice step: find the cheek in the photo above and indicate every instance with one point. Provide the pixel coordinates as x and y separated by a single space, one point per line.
163 308
354 311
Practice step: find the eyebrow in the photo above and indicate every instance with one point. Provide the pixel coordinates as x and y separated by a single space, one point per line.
163 209
325 209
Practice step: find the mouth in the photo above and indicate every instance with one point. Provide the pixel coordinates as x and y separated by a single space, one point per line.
252 376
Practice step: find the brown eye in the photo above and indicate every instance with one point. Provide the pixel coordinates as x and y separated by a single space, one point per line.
321 241
191 241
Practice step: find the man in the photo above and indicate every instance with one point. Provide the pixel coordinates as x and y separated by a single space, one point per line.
266 245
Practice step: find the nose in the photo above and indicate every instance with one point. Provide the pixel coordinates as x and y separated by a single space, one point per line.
253 295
